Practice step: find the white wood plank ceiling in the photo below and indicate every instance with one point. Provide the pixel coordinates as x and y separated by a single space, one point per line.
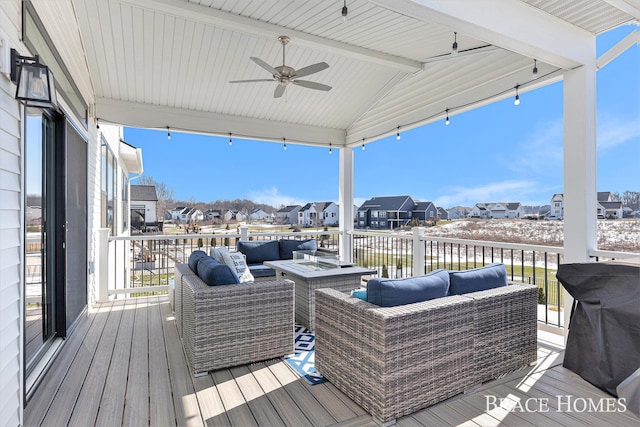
158 63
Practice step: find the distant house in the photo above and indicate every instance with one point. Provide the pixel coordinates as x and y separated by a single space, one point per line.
143 209
242 215
230 215
317 214
425 211
213 215
288 214
606 208
259 215
557 206
442 213
497 210
458 212
387 212
184 215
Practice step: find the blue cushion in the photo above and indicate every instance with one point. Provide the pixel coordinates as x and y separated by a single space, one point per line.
478 279
194 258
259 270
287 246
214 273
259 251
392 292
360 294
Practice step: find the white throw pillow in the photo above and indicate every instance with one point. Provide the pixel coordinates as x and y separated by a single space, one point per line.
237 263
216 253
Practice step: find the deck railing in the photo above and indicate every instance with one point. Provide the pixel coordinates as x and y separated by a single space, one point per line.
143 265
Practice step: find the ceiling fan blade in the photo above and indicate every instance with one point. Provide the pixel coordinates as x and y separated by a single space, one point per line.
311 85
279 91
266 66
251 81
302 72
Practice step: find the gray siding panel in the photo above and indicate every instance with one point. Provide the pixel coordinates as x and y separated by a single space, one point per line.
10 233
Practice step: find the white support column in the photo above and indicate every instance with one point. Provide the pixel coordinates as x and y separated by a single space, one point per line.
345 203
244 233
580 174
102 246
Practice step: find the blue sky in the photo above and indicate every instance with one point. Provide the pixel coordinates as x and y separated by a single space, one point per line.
499 152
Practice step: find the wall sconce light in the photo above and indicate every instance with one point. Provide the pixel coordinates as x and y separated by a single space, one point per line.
35 82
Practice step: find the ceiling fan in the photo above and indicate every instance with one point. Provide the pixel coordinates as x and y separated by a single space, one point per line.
284 75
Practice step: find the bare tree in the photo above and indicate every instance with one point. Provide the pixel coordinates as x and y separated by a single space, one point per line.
164 193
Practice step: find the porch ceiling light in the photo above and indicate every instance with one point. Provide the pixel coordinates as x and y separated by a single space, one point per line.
535 69
454 47
517 100
345 11
34 81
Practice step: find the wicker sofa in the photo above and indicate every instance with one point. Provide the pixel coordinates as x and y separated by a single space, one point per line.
229 325
393 361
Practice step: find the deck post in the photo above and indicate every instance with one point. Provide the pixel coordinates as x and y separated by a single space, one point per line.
580 178
244 233
102 245
345 202
418 251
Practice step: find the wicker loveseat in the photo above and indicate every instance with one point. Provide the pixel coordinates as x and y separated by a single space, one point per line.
393 361
229 325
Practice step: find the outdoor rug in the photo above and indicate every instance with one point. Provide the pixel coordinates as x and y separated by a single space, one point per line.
302 361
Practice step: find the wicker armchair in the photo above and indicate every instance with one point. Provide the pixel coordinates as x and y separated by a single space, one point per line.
223 326
394 361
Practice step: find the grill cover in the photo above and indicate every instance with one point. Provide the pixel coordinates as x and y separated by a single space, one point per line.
603 345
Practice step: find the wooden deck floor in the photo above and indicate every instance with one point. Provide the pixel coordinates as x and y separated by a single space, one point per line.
124 365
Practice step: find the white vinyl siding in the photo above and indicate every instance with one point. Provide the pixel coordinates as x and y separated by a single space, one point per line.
11 219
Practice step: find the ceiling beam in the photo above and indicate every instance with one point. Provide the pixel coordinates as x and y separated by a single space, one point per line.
509 24
239 23
631 39
178 119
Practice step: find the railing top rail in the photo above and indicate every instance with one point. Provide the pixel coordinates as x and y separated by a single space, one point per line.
175 236
612 254
504 245
365 233
295 233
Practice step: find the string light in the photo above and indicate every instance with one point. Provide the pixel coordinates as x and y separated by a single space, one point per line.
398 134
535 69
330 148
168 133
284 140
446 121
344 11
454 48
362 144
517 100
97 123
230 139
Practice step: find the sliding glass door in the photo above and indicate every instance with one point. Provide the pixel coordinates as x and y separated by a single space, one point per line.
55 285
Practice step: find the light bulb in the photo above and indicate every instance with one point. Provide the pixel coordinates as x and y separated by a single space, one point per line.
454 47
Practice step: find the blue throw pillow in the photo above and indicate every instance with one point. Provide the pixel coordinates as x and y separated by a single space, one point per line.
478 279
259 251
214 273
393 292
194 258
360 294
287 246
